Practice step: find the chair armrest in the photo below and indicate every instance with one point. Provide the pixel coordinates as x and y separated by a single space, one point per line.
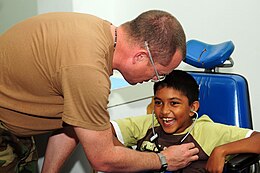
241 161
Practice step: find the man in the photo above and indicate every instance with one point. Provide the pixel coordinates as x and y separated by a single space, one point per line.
55 72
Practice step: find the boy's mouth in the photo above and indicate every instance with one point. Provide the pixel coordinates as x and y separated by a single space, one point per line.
168 121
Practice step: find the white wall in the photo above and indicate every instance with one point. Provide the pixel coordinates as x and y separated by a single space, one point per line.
13 11
45 6
209 21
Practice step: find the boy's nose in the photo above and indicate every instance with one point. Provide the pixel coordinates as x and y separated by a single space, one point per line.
165 109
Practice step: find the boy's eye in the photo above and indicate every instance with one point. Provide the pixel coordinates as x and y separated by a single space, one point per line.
174 103
156 102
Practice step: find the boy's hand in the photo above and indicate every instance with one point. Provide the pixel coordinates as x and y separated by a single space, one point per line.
216 161
180 156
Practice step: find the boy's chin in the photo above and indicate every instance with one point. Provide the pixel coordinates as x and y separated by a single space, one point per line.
169 131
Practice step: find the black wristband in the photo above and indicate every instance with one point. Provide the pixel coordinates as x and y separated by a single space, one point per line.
164 164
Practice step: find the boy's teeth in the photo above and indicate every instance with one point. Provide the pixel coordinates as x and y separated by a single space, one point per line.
167 119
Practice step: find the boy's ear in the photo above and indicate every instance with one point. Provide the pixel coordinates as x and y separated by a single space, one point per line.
194 107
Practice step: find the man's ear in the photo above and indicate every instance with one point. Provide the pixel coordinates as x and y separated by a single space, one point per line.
140 56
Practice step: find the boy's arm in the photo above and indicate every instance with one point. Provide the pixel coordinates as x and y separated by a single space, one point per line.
115 139
129 130
217 158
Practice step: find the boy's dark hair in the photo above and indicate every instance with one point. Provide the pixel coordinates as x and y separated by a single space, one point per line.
181 81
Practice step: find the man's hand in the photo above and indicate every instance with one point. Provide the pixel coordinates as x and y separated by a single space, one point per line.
180 156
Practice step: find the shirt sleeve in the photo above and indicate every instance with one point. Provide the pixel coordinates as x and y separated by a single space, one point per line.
130 130
210 134
86 90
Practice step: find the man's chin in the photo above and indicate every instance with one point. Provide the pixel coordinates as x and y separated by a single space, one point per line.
131 82
134 82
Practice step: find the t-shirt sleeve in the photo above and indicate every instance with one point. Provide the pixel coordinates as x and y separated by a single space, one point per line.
130 130
85 90
211 135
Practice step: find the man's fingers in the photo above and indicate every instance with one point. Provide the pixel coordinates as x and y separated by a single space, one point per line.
189 145
192 148
194 158
194 151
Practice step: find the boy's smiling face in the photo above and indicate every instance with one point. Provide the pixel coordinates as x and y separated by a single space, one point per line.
172 110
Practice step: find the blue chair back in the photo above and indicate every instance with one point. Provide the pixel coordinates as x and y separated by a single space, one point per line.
225 98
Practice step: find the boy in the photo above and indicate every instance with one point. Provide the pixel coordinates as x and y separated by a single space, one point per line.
175 106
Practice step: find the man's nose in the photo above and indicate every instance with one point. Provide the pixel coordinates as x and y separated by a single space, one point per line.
155 78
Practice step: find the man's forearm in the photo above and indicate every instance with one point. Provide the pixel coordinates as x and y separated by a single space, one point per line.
105 156
128 160
60 146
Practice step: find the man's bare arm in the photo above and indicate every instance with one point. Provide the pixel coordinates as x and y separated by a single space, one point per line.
105 156
60 146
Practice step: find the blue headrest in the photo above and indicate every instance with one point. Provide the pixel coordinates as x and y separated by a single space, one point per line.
208 56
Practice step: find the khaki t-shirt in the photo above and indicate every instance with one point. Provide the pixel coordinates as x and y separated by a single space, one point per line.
55 68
